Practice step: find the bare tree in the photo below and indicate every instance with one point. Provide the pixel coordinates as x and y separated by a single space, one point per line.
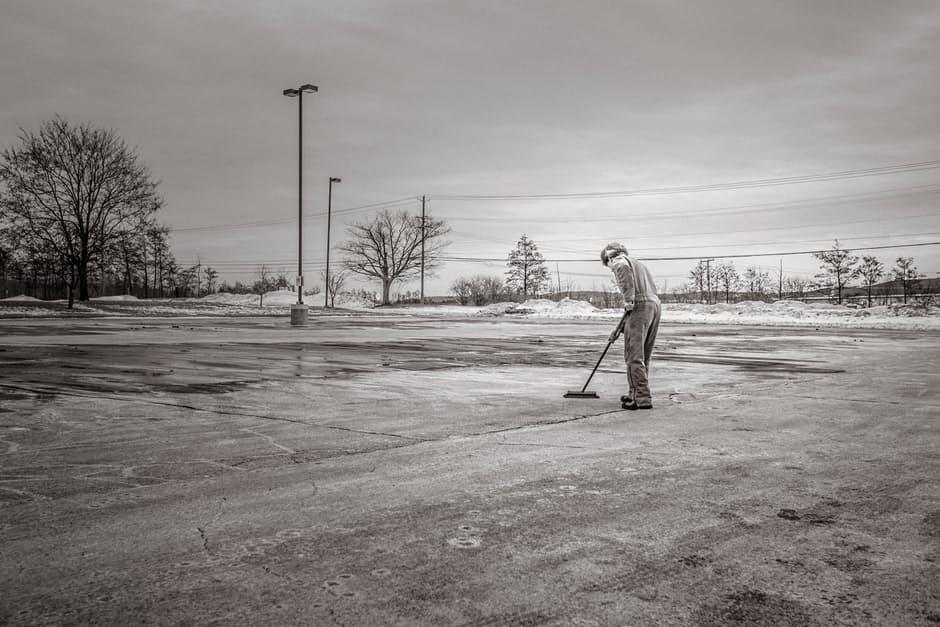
906 272
479 289
838 265
757 282
485 289
335 284
264 283
728 279
388 247
796 286
6 263
160 258
462 287
212 276
75 189
870 270
697 278
491 288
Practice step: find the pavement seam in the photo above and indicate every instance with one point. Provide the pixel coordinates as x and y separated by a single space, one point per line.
589 448
873 401
545 423
221 412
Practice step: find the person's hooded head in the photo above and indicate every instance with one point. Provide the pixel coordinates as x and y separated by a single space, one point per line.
611 250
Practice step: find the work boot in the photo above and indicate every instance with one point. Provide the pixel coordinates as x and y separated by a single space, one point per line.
632 405
626 398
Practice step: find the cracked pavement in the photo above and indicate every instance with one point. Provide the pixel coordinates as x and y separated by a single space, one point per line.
399 470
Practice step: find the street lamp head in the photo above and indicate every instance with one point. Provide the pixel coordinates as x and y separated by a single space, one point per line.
308 88
291 93
335 179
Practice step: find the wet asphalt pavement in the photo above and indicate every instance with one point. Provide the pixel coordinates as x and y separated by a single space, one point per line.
401 470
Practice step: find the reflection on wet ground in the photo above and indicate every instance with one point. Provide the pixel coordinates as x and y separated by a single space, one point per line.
202 367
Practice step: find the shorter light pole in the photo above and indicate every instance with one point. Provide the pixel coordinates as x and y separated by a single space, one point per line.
329 211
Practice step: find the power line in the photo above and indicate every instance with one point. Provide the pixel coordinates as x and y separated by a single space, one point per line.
770 182
771 228
790 253
732 245
273 221
731 256
798 204
315 263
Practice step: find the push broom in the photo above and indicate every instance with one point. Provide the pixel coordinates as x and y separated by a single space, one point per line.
582 393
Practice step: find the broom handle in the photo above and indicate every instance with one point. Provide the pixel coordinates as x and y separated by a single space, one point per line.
604 354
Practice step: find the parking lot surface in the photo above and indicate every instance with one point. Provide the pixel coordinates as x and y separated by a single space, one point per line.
402 470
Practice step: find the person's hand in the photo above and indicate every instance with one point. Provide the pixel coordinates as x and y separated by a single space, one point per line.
614 335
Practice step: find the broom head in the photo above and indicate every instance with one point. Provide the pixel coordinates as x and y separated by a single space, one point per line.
580 394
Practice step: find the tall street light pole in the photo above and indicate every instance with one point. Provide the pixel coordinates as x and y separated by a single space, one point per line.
298 312
329 211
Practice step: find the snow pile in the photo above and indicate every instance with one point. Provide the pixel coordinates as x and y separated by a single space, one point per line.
779 313
285 298
277 298
281 298
122 297
912 316
543 308
225 298
494 309
28 312
347 300
795 313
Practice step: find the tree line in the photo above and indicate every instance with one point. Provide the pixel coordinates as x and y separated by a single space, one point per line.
711 281
78 216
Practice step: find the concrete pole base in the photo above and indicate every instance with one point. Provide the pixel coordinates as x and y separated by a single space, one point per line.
298 314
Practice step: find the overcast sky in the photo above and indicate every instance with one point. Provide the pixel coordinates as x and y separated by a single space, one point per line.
478 98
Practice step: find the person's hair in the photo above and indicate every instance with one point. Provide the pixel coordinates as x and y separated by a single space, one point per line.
611 249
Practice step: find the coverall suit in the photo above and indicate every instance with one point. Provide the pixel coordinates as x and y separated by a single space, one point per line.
639 297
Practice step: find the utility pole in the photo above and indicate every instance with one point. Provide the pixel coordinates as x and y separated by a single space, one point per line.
423 223
558 274
780 285
708 280
198 275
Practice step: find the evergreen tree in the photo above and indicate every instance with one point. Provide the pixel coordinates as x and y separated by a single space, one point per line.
527 270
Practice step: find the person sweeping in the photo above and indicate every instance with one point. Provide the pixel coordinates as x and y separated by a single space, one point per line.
641 324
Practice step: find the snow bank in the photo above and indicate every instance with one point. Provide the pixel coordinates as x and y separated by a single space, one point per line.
779 313
281 298
284 298
277 298
543 308
224 298
122 297
352 301
795 313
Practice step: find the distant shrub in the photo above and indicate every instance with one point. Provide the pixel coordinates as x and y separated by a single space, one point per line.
478 290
